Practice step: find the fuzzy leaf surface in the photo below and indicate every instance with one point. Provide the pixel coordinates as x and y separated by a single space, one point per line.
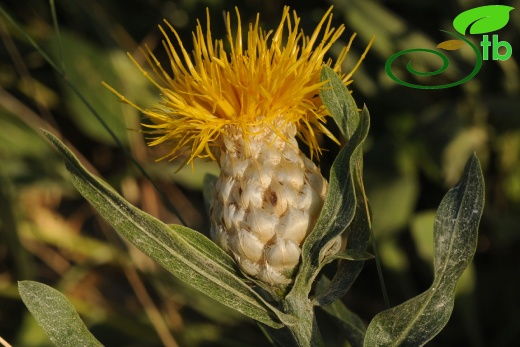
205 246
56 315
347 321
418 320
339 206
339 102
357 234
205 267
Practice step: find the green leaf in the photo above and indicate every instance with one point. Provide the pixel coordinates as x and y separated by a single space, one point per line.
357 235
340 104
205 246
339 206
335 216
55 315
278 337
350 254
349 322
419 319
208 189
177 248
483 19
456 223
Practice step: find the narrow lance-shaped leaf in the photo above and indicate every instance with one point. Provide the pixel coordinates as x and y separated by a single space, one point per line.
343 109
205 266
205 246
357 235
340 104
347 321
419 319
338 210
55 315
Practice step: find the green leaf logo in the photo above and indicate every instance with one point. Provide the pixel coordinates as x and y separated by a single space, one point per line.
483 19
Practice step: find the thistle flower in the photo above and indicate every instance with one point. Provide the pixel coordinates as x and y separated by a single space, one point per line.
244 108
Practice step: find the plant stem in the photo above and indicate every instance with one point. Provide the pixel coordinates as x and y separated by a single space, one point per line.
305 330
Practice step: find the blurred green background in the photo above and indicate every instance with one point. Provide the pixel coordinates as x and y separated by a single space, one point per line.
419 142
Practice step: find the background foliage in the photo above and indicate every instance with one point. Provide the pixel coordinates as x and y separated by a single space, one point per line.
417 148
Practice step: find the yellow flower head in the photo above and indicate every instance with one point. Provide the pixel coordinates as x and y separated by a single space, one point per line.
267 80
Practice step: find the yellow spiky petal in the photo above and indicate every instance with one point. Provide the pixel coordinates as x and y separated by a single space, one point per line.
271 82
